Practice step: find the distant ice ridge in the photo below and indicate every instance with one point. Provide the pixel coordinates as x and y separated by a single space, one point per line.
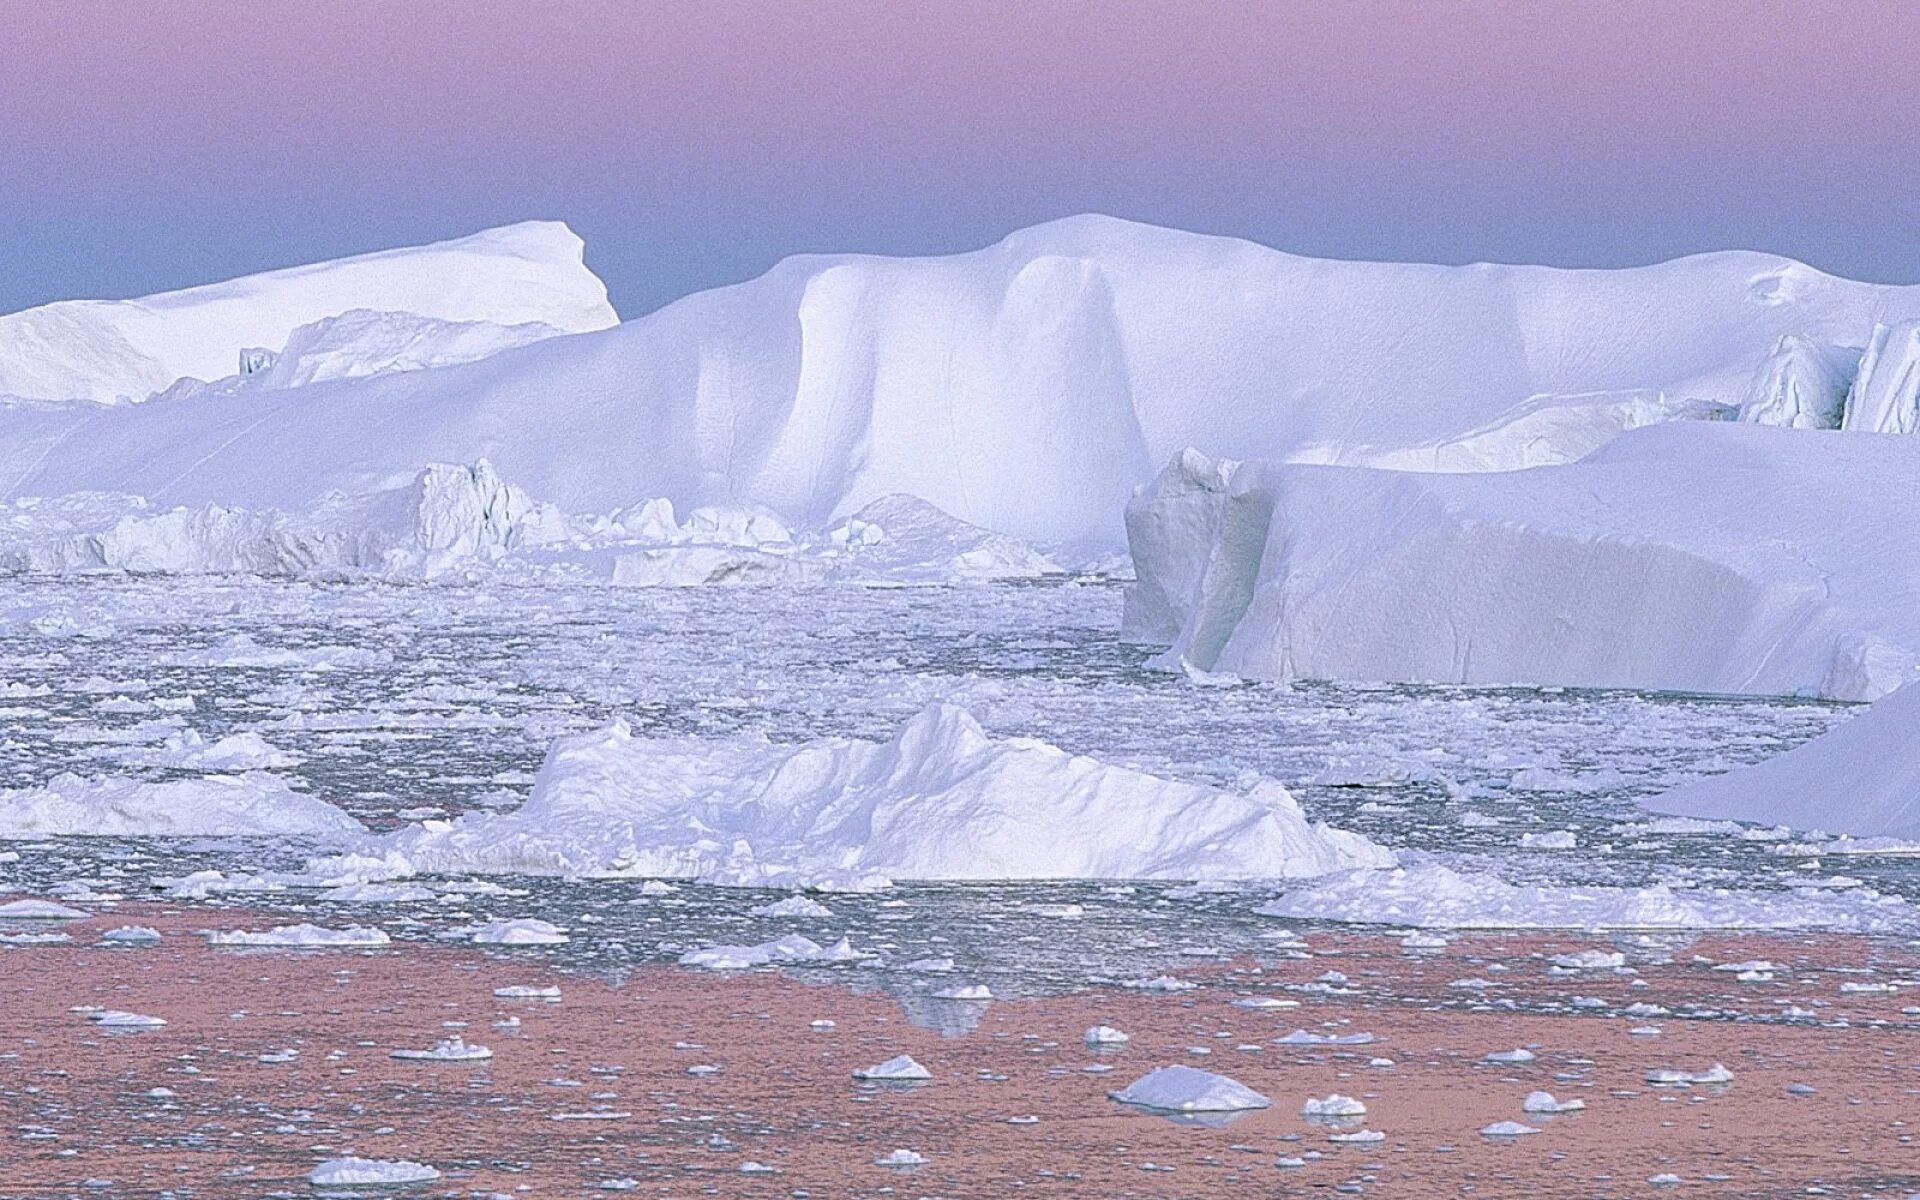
1027 387
254 804
1701 557
941 799
1428 894
109 351
454 519
1860 778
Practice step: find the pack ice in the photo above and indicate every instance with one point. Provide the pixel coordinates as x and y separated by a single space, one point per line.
941 799
448 302
1026 388
1702 557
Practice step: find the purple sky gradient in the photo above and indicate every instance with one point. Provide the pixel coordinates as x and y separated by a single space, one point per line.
155 145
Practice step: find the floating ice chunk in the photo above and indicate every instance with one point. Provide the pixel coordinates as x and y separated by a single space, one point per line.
1543 1102
378 893
522 931
1507 1129
300 936
1189 1089
131 935
1589 960
900 1158
1104 1035
1423 941
900 1067
792 906
1335 1105
521 991
1160 983
1428 893
357 1172
1358 1136
1302 1037
792 948
1712 1076
188 750
1508 1057
452 1049
115 1019
1559 839
610 803
974 992
249 805
1265 1002
929 966
40 910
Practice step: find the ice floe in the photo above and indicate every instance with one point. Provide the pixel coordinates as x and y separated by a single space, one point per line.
1189 1090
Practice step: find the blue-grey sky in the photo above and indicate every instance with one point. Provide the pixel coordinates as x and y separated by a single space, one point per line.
145 147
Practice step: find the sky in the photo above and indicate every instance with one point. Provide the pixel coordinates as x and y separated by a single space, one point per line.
161 144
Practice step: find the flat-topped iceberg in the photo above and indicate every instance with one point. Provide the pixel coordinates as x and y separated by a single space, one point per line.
941 799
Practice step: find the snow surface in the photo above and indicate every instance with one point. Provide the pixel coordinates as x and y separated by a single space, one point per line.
939 800
1025 388
1859 778
124 350
1653 563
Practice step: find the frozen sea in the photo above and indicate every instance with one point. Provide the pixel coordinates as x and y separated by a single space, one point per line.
436 700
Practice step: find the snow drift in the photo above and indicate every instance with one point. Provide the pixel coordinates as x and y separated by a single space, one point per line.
1859 778
1024 388
939 800
1695 557
120 350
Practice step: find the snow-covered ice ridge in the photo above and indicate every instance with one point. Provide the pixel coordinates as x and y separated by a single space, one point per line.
448 302
1027 387
1687 557
453 520
940 800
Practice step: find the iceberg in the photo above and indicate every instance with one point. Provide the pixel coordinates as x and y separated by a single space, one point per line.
941 799
253 804
1858 778
1024 388
110 351
1652 563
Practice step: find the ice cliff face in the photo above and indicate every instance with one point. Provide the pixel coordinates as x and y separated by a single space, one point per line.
1691 557
1026 388
106 351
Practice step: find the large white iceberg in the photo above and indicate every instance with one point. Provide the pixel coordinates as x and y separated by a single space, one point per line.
120 350
1708 557
1860 778
939 800
1025 388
